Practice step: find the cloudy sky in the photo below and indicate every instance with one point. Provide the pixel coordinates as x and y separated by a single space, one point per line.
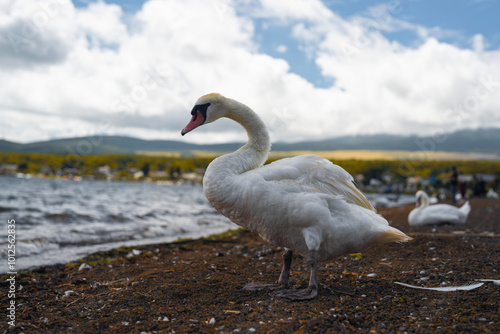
312 69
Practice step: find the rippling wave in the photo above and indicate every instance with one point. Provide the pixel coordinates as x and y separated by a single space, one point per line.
58 221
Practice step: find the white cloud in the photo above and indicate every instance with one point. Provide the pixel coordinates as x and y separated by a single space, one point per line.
383 86
281 48
140 73
286 10
102 23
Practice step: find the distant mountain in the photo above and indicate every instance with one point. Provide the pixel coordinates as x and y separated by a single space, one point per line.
111 145
479 141
8 146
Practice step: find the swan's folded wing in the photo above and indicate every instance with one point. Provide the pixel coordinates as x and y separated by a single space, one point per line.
310 173
441 213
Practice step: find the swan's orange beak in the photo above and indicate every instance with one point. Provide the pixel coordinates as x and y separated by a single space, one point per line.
197 120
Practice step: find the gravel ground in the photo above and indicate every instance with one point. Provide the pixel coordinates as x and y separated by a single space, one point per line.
196 286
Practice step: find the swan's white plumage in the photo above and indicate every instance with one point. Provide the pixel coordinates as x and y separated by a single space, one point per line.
291 211
305 204
492 194
310 173
302 203
426 214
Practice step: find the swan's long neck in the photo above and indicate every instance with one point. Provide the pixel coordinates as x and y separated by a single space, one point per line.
221 175
425 201
256 150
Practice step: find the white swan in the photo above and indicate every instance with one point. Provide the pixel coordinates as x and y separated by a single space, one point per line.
425 214
491 194
305 204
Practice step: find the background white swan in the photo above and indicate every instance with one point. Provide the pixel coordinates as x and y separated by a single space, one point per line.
305 204
492 194
425 214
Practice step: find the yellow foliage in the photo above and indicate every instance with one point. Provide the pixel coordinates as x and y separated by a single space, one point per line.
89 164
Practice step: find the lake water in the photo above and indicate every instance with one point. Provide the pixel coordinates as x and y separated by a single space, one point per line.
59 221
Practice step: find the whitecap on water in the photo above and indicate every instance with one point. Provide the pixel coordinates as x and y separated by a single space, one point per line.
58 221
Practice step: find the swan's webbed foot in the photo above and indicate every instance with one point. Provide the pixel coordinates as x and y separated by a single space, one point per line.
302 294
262 286
283 280
312 290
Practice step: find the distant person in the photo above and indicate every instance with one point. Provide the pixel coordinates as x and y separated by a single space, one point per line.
482 187
475 188
479 186
454 184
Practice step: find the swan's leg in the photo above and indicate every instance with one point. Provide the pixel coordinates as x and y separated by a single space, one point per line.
312 290
284 276
285 269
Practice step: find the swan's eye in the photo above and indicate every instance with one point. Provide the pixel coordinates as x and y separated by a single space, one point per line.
202 108
198 110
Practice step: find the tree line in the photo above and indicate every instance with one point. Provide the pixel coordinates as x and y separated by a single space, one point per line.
36 163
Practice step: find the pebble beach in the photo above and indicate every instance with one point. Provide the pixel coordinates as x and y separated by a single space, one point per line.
195 286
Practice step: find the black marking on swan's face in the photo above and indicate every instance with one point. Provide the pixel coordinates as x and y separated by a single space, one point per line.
199 116
202 108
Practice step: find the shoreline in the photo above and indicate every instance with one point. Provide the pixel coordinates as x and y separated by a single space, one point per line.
196 285
133 244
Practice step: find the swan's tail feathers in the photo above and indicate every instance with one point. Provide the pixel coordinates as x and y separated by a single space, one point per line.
392 235
354 195
465 208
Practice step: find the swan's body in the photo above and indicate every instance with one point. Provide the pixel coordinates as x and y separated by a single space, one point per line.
305 204
492 194
425 214
297 200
